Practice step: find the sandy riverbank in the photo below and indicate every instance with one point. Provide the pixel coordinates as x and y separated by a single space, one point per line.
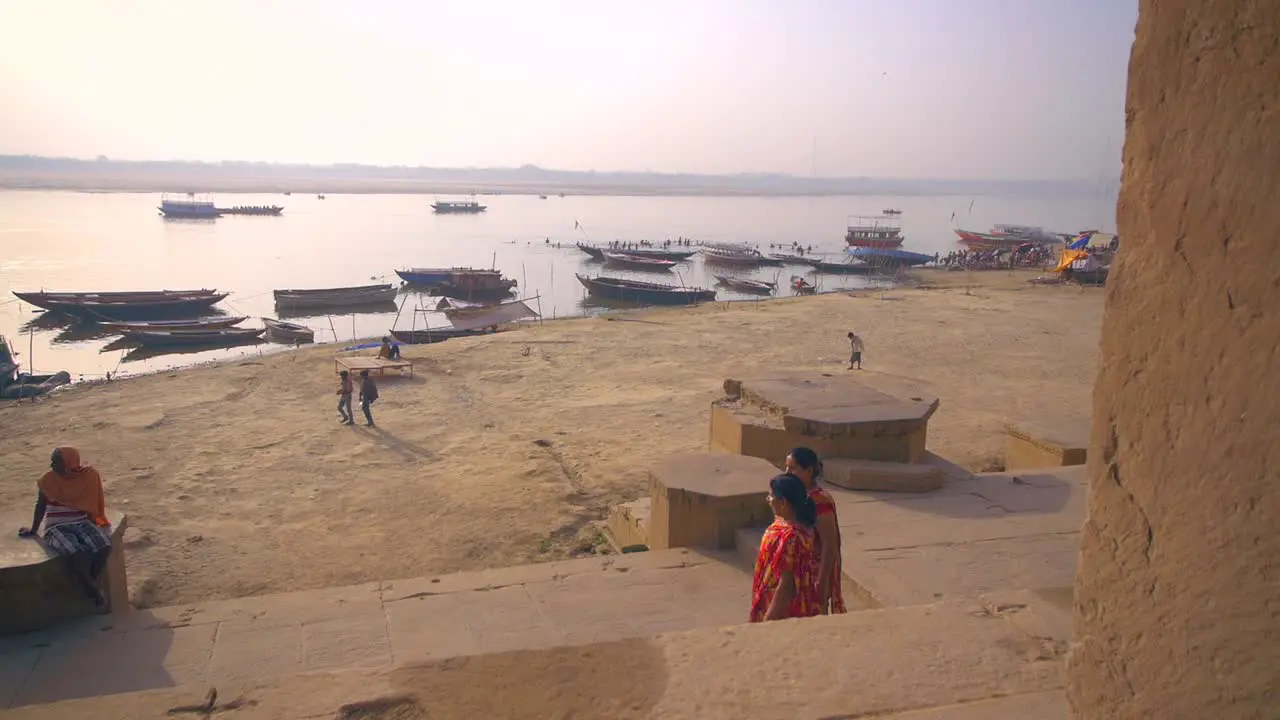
239 480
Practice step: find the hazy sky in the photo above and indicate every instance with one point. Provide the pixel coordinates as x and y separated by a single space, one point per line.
998 89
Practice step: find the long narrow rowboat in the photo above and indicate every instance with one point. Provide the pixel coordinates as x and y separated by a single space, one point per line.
135 309
335 297
225 336
755 287
215 323
637 262
73 302
635 291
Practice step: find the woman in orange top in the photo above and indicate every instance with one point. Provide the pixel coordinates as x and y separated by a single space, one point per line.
786 579
804 464
71 518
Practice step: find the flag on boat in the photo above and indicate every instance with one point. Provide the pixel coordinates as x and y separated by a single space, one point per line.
1081 241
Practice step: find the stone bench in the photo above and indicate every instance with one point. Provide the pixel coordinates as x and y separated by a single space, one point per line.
1045 443
703 499
36 588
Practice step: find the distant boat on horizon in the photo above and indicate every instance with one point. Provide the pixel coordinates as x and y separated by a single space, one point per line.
446 207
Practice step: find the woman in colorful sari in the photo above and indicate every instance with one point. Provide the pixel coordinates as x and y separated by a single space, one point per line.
786 577
71 519
804 464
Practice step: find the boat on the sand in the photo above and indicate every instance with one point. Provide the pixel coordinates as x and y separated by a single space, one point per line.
610 288
755 287
354 296
287 333
428 336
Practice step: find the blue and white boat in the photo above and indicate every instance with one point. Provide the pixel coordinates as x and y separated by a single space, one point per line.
427 276
190 207
889 256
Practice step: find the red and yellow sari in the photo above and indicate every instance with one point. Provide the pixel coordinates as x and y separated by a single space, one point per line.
827 506
786 548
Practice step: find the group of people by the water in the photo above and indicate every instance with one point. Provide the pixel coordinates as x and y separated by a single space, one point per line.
798 567
997 258
794 247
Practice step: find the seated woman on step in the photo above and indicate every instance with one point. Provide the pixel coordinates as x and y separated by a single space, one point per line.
786 575
71 518
804 464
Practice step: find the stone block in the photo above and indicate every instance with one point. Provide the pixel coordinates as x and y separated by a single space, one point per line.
882 476
1045 443
702 499
36 588
836 416
628 524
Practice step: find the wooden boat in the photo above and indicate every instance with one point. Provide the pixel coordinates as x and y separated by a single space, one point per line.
791 259
643 292
335 297
597 253
730 258
435 335
843 268
48 300
637 262
286 332
476 285
428 276
889 257
756 287
800 286
137 307
210 323
252 210
224 336
891 211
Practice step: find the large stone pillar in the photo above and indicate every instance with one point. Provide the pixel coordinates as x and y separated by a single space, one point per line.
1178 591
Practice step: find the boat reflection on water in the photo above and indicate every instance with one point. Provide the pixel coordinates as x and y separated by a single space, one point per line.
387 308
136 353
78 332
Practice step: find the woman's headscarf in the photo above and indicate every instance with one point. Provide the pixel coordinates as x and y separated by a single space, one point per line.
78 486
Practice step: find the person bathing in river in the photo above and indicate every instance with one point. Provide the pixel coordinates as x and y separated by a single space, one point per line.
785 584
804 464
71 518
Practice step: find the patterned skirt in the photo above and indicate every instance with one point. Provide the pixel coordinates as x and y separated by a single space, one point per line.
81 536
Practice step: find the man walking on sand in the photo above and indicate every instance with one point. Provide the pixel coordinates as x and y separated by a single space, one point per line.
855 348
345 388
368 394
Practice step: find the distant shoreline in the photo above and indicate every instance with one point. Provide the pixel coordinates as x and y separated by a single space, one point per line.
313 186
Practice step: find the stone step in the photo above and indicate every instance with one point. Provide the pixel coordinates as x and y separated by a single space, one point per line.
251 639
982 659
872 475
627 525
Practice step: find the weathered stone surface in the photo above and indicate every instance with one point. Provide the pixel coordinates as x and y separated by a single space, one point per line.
882 476
935 662
1176 602
1044 443
701 499
628 524
36 588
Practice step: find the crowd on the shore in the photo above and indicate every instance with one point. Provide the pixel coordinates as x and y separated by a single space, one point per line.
997 258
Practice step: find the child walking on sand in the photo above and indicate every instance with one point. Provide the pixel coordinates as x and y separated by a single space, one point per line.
345 388
855 348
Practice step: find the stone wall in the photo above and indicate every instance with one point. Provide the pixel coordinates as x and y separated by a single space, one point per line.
1178 593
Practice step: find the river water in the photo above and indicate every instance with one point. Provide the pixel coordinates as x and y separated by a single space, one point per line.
117 241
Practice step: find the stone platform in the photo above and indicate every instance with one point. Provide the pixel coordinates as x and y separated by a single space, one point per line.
702 499
996 530
998 657
36 588
251 640
1045 442
837 416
